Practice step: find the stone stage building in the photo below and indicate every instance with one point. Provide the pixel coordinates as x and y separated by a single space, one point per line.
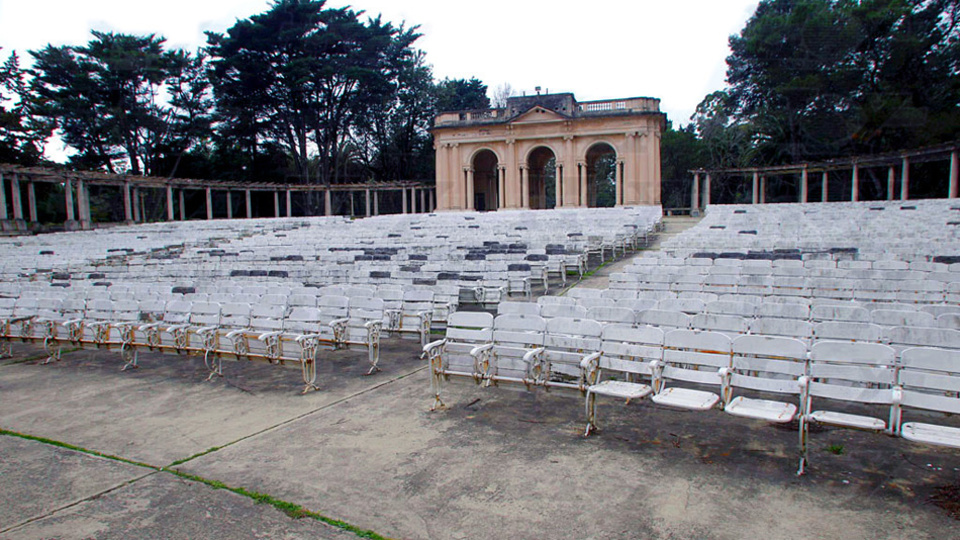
549 151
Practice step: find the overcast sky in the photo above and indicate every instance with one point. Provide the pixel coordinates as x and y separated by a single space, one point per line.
600 49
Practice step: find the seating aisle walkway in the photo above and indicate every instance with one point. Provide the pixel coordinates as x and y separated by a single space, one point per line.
672 226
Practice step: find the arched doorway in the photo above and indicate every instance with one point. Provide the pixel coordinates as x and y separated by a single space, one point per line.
485 182
542 178
601 176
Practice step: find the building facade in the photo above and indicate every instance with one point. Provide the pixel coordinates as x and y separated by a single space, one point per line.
549 151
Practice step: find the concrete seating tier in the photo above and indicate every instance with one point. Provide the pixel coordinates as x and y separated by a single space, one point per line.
853 384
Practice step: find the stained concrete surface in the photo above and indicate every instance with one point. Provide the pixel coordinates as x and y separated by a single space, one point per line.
496 463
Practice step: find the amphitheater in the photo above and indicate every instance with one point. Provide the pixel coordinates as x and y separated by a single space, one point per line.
433 375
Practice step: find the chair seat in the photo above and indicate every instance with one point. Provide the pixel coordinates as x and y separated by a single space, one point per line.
621 389
848 420
762 409
686 398
931 434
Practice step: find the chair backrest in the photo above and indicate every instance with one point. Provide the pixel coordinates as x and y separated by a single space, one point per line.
729 307
904 337
518 308
847 331
768 363
612 315
629 349
896 317
851 371
205 314
267 317
550 311
469 328
831 313
732 325
177 312
568 340
235 315
695 356
668 320
794 328
363 309
333 307
303 320
691 306
929 378
513 336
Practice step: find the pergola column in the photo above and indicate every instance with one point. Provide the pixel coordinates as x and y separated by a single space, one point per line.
183 207
246 196
954 174
3 198
68 195
289 205
15 199
229 205
413 200
433 196
276 204
403 192
706 191
327 203
32 202
855 184
366 198
169 203
352 198
83 205
423 201
824 187
763 189
209 203
891 182
376 202
136 206
804 185
127 203
755 191
905 179
695 193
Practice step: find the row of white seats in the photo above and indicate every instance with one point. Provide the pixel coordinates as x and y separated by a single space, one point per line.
702 370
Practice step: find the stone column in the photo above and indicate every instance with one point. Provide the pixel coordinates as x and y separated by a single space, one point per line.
246 196
229 205
276 204
501 187
954 175
68 195
366 198
433 202
137 214
512 194
127 203
31 202
183 207
855 184
83 205
763 189
804 185
570 184
169 203
706 191
327 203
15 198
618 175
376 202
423 201
3 199
524 188
695 194
905 180
755 192
403 192
583 195
558 189
891 182
825 187
470 179
209 203
413 200
289 205
352 199
632 170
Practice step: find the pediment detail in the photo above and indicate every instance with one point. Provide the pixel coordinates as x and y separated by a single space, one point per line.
538 114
